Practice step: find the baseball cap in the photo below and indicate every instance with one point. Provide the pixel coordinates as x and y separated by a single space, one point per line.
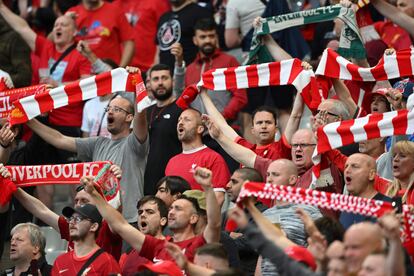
380 91
405 86
301 254
163 267
87 211
200 196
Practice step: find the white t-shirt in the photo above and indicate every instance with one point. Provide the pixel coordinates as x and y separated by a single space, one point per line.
93 114
241 13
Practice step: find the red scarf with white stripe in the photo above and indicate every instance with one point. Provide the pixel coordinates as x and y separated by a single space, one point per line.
337 202
377 125
61 174
108 82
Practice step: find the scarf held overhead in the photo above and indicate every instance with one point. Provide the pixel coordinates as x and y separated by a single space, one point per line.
108 82
350 43
25 176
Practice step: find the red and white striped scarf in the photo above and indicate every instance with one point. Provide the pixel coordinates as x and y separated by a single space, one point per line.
400 64
338 134
337 202
259 75
108 82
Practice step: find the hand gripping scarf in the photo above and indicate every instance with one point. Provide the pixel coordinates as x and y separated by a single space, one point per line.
108 82
350 43
337 202
26 176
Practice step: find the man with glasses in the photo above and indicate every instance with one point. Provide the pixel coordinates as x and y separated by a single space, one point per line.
87 256
126 149
106 239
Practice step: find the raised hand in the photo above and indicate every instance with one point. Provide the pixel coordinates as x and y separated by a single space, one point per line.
177 52
116 170
6 135
4 172
238 216
213 130
176 253
203 177
390 226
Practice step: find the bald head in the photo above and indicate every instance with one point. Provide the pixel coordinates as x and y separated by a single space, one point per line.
360 171
360 240
282 172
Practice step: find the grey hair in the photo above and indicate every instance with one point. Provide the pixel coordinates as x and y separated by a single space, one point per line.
340 109
35 234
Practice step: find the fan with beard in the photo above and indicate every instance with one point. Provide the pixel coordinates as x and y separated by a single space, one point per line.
161 93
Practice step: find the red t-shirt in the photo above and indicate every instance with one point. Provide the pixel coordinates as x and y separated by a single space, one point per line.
104 29
184 163
154 249
275 150
71 68
143 16
108 241
69 264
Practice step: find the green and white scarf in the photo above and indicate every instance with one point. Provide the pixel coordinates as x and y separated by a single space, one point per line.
350 43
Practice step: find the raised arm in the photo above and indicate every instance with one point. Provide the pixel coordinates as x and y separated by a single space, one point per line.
52 136
268 229
217 116
344 95
294 118
19 25
241 154
115 219
33 205
398 17
127 53
211 233
6 139
140 127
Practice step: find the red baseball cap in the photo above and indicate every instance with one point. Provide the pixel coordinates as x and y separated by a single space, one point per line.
301 254
163 267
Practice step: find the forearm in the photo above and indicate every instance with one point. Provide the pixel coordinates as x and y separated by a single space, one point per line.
277 52
268 229
396 16
19 25
140 126
52 136
236 103
344 95
5 154
395 259
179 82
212 231
239 153
127 53
294 119
217 116
196 270
37 208
275 254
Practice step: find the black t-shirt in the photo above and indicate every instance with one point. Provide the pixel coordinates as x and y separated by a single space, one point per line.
178 27
347 219
164 143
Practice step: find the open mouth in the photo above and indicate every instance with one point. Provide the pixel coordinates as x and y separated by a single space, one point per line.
299 156
348 179
110 120
143 225
58 34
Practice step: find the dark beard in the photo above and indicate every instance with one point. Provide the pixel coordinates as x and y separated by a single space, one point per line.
164 96
208 51
177 3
